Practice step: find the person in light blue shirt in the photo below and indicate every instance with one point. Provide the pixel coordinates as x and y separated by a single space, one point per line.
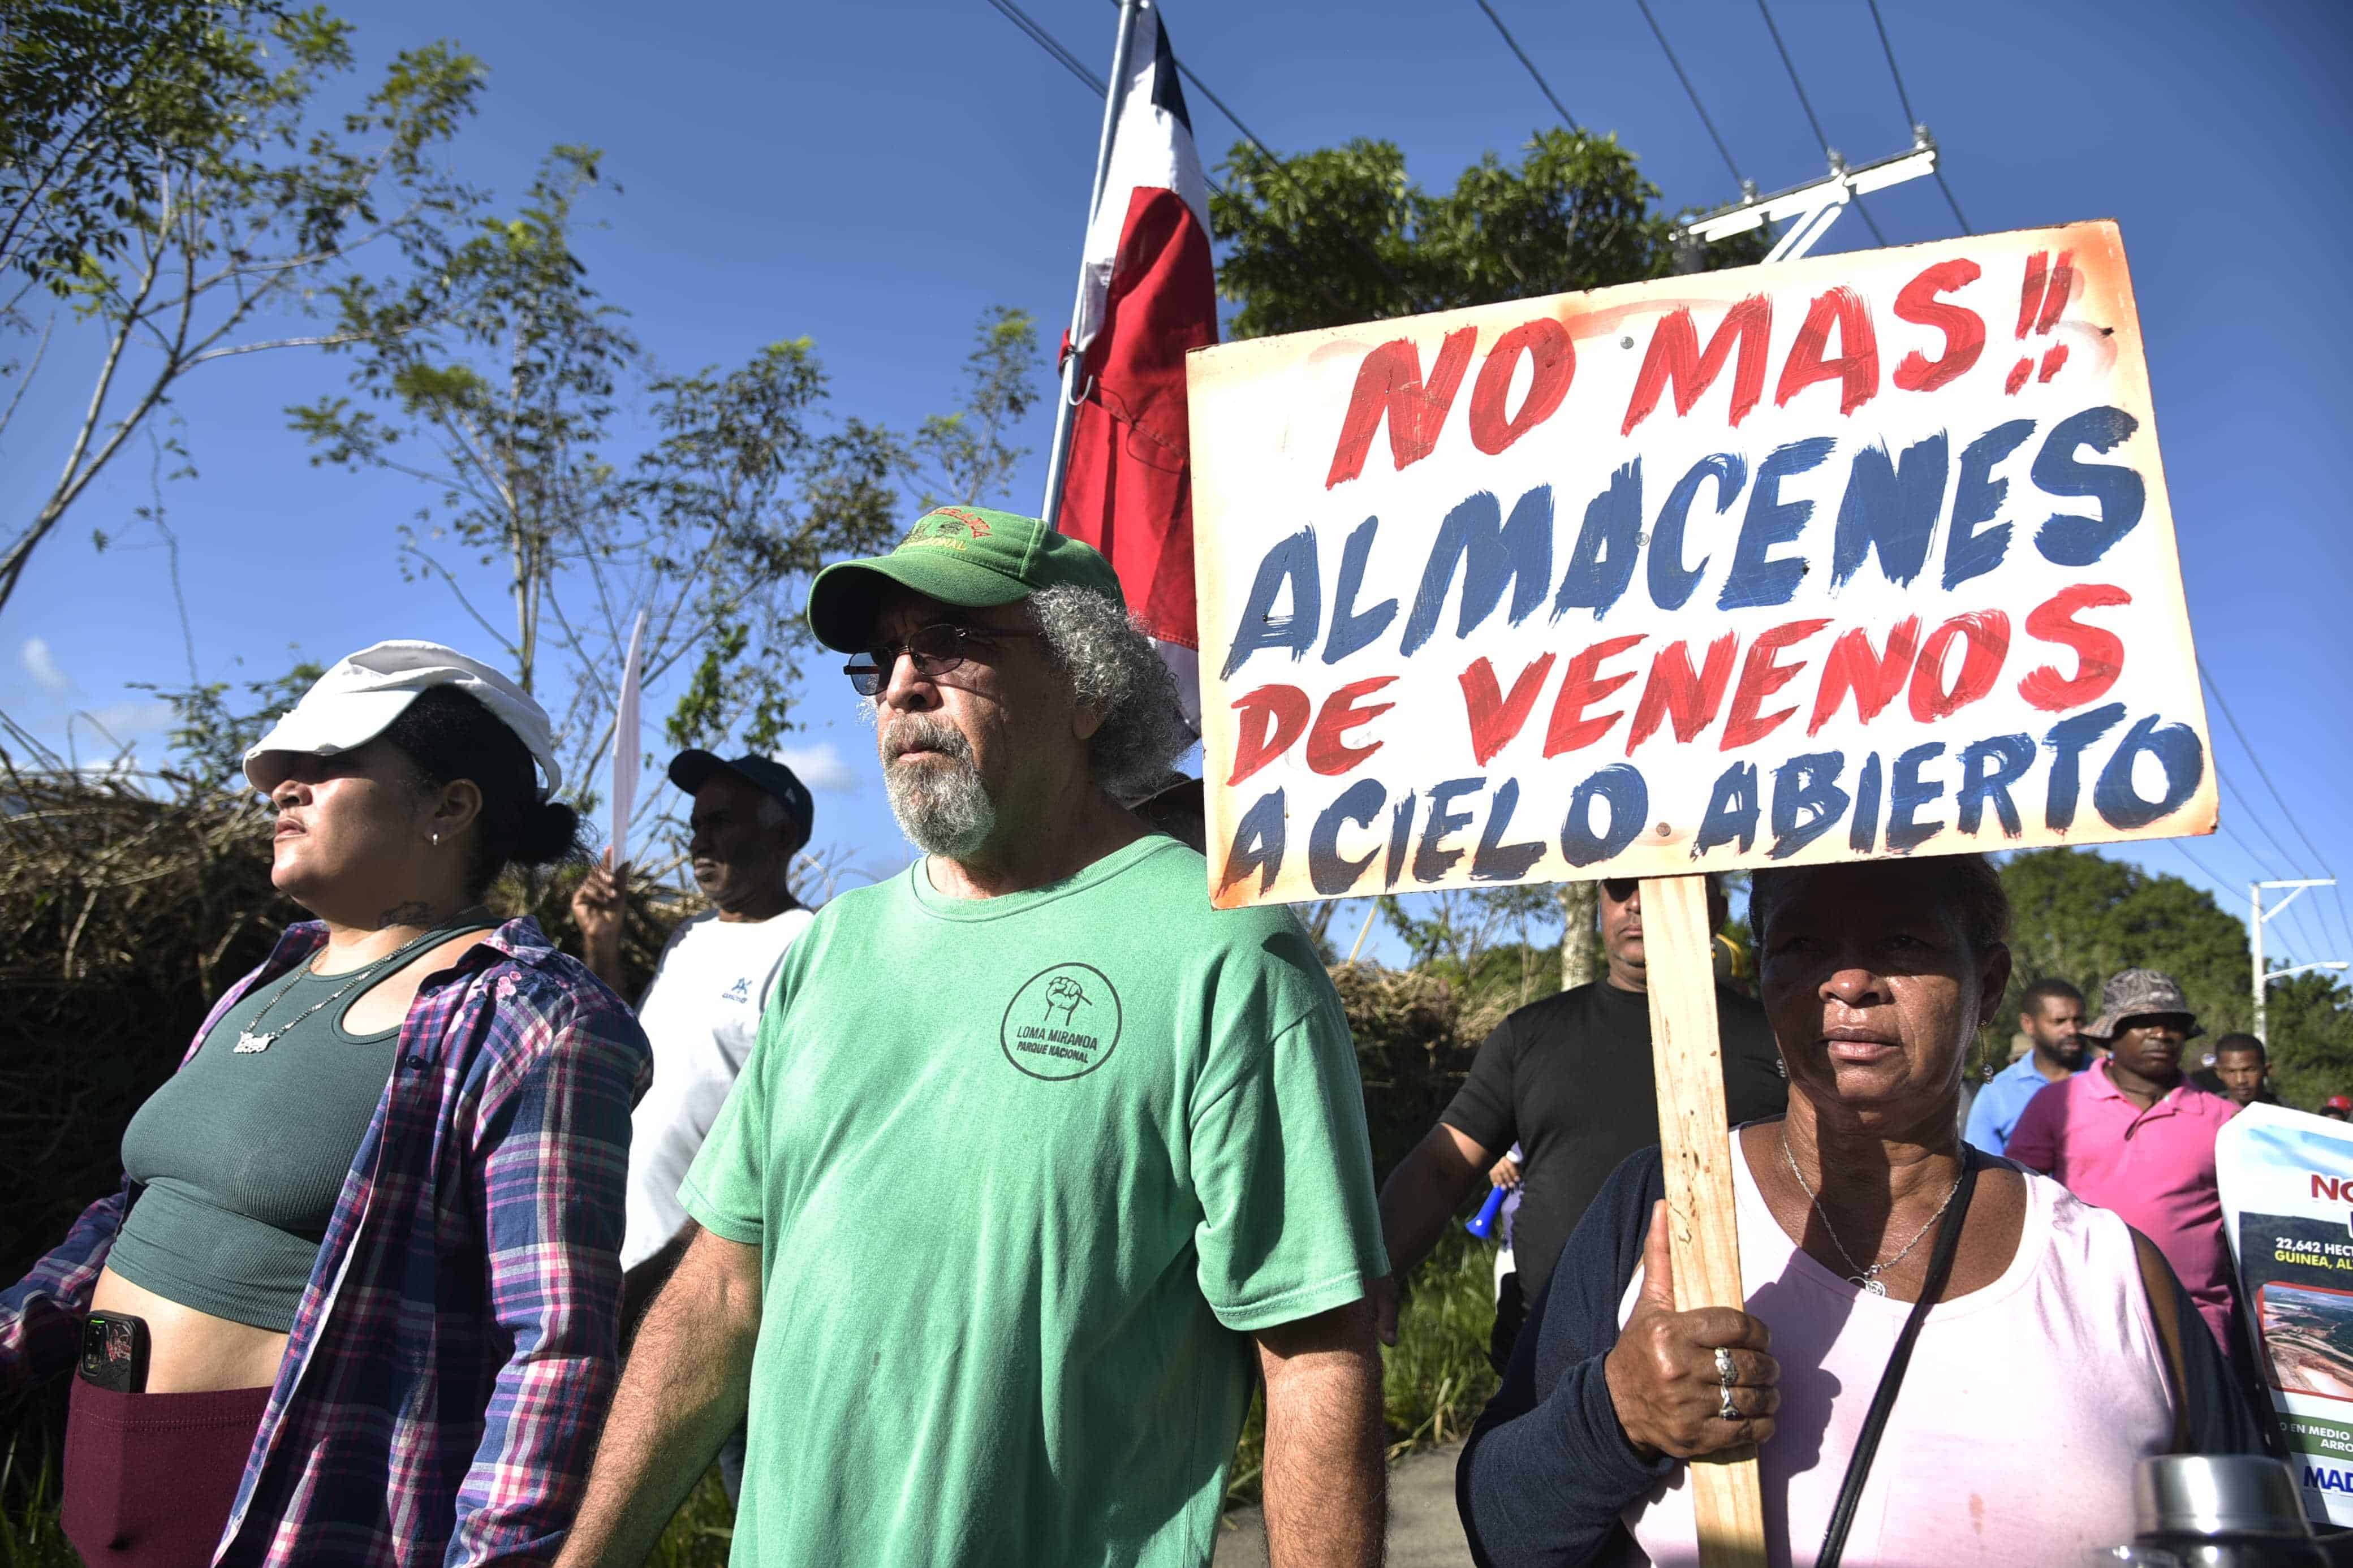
2053 1020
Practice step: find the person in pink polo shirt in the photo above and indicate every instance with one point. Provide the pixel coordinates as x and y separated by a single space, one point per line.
2134 1136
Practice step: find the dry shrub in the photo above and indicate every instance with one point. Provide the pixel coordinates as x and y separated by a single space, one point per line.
1412 1051
129 903
126 906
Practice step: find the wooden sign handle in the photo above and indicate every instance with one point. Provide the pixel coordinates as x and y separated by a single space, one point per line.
1678 958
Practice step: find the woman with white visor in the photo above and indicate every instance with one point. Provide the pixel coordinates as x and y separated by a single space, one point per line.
355 1299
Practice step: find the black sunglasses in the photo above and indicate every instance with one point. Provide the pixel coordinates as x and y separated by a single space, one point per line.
936 649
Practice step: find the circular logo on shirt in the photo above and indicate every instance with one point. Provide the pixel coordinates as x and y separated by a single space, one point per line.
1063 1023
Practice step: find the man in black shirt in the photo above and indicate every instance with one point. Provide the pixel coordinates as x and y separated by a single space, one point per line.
1568 1079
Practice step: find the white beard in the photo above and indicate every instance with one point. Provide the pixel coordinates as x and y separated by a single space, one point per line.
944 809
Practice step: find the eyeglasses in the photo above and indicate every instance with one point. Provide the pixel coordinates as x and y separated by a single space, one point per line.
936 649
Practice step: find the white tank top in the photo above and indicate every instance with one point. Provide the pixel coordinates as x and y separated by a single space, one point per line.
2013 1441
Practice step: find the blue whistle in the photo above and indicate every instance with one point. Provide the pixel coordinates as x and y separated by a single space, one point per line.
1483 1224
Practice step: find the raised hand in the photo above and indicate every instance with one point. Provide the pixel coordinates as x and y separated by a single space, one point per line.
596 909
1662 1373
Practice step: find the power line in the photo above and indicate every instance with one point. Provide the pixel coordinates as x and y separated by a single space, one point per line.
1046 41
1911 119
2204 869
1811 118
1543 84
2261 826
2262 772
1659 33
2304 936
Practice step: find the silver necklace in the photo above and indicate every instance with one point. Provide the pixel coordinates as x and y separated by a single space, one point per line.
249 1043
1868 1279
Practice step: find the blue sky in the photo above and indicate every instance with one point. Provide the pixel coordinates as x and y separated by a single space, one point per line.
876 175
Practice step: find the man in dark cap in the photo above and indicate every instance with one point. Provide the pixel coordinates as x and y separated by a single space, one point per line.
2134 1135
702 1012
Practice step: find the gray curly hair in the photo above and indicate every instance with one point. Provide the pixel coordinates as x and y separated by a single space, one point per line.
1114 670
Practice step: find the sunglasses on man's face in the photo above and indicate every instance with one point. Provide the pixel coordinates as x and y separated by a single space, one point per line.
936 649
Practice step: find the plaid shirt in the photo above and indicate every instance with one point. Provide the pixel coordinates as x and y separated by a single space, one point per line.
455 1351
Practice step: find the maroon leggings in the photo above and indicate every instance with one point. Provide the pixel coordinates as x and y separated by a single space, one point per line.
150 1477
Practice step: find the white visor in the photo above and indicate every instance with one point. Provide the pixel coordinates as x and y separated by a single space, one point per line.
354 703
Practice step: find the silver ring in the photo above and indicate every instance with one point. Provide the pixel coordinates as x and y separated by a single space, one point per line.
1726 1409
1724 1367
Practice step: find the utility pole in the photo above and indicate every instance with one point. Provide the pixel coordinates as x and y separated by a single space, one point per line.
2264 979
1816 204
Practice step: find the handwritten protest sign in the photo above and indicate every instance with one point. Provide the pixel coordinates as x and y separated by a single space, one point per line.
1863 555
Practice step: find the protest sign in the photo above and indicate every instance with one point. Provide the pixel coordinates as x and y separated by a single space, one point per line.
626 740
2286 1181
1862 555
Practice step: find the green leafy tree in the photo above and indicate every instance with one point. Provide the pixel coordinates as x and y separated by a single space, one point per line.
969 456
505 406
169 184
1345 234
2081 916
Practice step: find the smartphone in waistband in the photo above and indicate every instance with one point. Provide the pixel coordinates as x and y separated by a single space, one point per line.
115 1353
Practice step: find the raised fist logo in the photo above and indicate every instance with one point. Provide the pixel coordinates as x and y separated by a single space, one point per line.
1066 995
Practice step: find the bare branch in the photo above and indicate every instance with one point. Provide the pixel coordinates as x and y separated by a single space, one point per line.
39 351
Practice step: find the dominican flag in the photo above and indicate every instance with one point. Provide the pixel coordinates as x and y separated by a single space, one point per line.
1149 294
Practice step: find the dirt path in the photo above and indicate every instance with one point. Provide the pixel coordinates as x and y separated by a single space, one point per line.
1424 1530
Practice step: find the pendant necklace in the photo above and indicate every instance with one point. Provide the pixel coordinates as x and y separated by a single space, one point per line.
1867 1279
249 1043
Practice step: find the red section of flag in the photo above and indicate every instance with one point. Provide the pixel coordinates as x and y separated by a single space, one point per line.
1128 490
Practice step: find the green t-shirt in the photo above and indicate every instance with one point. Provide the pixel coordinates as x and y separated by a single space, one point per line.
1024 1172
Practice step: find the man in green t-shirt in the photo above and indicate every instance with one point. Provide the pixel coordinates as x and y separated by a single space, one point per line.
1038 1157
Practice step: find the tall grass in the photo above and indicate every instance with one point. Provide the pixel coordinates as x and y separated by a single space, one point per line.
31 1539
1435 1380
701 1532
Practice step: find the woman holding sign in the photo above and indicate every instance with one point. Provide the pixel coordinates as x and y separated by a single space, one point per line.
2060 1349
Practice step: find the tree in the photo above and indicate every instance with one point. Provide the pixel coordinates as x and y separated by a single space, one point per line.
1344 233
165 182
504 405
2081 916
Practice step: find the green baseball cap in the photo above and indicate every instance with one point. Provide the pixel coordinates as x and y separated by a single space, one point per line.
963 555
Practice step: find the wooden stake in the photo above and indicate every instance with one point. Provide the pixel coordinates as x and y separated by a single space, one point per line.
1678 958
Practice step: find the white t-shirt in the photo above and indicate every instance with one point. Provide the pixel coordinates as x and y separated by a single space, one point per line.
701 1014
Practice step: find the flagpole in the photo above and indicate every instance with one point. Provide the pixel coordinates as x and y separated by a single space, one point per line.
1066 405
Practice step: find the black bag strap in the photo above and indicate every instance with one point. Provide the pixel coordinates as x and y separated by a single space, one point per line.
1866 1446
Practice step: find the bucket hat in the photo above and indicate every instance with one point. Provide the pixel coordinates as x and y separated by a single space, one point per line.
2139 993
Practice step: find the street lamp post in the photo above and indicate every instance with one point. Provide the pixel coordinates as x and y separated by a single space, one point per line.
2263 977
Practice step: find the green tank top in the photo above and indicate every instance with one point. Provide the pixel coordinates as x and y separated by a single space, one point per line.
242 1154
